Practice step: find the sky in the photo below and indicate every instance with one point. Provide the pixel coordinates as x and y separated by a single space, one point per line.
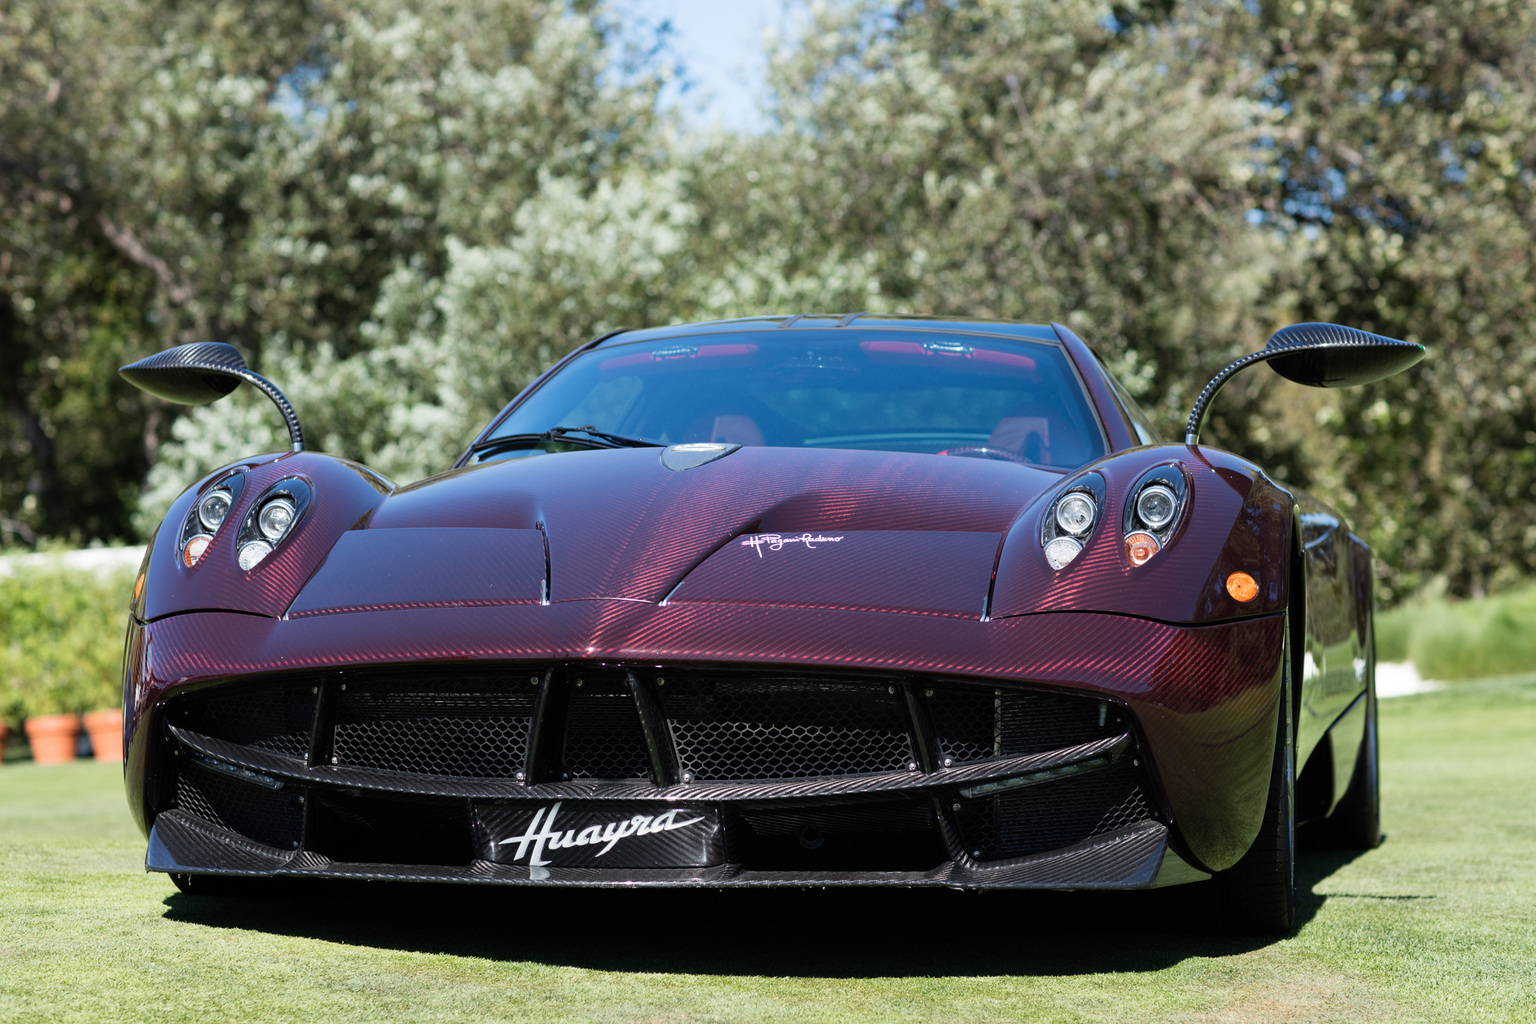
720 45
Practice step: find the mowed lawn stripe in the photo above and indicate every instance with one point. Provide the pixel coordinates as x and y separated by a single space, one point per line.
1439 924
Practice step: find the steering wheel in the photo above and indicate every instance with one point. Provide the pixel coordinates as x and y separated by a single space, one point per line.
982 451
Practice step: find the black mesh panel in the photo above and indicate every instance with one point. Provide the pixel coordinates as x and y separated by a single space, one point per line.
736 729
977 724
603 739
467 728
274 717
1053 815
273 817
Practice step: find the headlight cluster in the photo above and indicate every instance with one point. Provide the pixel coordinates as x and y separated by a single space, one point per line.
207 515
1153 512
1071 520
272 517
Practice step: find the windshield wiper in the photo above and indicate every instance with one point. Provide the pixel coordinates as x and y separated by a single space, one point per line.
594 439
617 440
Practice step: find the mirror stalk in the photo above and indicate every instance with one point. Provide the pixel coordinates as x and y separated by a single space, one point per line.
1203 402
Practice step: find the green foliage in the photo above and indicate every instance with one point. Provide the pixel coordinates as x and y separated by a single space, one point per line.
404 211
1177 180
457 195
1457 640
61 644
1409 187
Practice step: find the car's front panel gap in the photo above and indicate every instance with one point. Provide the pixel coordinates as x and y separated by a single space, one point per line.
658 735
920 725
548 726
322 738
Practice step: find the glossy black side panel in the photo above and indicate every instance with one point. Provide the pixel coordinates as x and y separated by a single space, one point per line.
1333 661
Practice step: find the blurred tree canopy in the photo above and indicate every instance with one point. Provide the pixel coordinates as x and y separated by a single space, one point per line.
403 211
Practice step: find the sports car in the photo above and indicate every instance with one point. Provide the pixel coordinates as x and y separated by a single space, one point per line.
812 600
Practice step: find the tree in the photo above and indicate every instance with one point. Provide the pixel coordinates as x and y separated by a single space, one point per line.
402 212
1033 161
399 210
1177 180
1407 186
112 118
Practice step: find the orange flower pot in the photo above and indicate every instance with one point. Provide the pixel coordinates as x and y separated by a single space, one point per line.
52 737
106 729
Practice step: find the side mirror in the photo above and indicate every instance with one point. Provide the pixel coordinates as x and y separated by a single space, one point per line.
1319 356
204 372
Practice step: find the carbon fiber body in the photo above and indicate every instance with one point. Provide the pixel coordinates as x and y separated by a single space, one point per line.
774 666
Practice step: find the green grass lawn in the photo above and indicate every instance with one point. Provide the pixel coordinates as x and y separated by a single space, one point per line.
1439 924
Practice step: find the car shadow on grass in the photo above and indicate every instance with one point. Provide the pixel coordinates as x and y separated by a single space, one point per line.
784 933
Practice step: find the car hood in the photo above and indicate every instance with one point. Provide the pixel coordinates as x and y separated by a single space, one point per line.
879 531
848 530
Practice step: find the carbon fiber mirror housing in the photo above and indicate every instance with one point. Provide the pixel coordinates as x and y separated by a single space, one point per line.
204 372
1319 356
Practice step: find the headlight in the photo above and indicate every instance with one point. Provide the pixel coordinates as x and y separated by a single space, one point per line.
1075 513
274 516
1061 551
1140 547
214 507
252 553
195 548
1156 505
1070 520
1154 509
206 516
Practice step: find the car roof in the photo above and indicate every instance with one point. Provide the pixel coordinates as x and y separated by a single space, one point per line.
823 321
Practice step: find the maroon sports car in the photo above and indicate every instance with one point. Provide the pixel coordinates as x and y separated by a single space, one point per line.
785 601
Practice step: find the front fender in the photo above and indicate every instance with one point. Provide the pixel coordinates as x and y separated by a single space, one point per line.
343 493
1237 519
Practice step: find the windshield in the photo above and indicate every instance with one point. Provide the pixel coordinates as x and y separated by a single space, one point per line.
907 391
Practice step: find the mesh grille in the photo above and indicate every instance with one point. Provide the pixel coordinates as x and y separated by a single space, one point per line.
602 733
976 724
472 728
769 729
1054 814
275 718
268 816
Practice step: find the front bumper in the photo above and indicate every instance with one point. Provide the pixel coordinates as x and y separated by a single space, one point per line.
1056 751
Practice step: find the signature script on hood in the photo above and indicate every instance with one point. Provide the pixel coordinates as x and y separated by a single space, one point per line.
776 541
592 835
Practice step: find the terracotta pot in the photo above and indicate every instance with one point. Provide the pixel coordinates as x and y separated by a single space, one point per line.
106 729
52 737
5 731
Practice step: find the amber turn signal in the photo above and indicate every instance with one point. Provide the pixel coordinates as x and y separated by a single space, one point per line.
195 548
1140 546
1242 587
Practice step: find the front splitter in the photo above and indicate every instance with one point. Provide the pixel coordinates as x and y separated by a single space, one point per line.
1139 857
